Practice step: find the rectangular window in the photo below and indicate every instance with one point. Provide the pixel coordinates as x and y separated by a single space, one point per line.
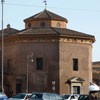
18 85
75 64
39 63
76 89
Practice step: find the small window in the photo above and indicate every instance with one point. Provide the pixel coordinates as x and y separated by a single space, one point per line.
58 25
9 66
29 25
75 64
43 24
76 89
18 87
39 63
9 63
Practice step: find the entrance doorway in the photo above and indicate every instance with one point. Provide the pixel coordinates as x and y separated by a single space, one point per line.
76 89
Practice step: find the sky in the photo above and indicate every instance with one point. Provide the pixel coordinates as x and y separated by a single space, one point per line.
82 16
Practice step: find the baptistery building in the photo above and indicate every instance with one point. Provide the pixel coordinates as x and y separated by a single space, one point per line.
46 56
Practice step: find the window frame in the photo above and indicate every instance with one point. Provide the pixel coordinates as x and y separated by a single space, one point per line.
75 64
39 63
76 89
58 25
42 24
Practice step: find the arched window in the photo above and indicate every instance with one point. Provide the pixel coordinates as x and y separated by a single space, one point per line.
29 25
43 24
58 24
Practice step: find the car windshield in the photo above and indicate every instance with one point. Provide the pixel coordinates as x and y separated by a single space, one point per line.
19 96
65 96
83 97
36 96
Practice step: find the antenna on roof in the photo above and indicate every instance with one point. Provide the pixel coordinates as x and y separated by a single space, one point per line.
45 2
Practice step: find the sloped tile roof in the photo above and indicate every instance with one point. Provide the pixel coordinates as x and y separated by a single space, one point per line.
9 31
95 63
70 32
45 14
56 31
96 66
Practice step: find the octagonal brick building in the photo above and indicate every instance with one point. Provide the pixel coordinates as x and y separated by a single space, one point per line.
47 56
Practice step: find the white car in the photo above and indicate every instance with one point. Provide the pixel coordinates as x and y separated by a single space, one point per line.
20 96
45 96
70 96
3 96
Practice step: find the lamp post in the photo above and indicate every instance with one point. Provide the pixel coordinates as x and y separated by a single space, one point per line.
29 58
53 86
2 1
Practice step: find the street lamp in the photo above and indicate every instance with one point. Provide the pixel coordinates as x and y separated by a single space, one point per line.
53 86
2 1
29 58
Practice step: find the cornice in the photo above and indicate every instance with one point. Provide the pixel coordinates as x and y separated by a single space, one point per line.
44 38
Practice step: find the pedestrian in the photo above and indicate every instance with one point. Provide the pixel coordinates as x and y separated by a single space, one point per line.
27 98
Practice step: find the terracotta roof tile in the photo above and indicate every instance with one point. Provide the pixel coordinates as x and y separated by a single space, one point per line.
58 32
45 14
9 31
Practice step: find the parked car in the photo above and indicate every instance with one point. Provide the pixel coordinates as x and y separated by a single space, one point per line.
70 96
45 96
3 96
83 97
20 96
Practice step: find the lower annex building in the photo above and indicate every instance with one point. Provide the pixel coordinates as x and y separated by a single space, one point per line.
96 72
47 56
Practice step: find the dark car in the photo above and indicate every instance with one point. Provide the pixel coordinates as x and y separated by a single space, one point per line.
70 96
83 97
45 96
20 96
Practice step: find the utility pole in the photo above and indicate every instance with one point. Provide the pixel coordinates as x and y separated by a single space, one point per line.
2 2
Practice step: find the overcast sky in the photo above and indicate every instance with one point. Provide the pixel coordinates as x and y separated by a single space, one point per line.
82 15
